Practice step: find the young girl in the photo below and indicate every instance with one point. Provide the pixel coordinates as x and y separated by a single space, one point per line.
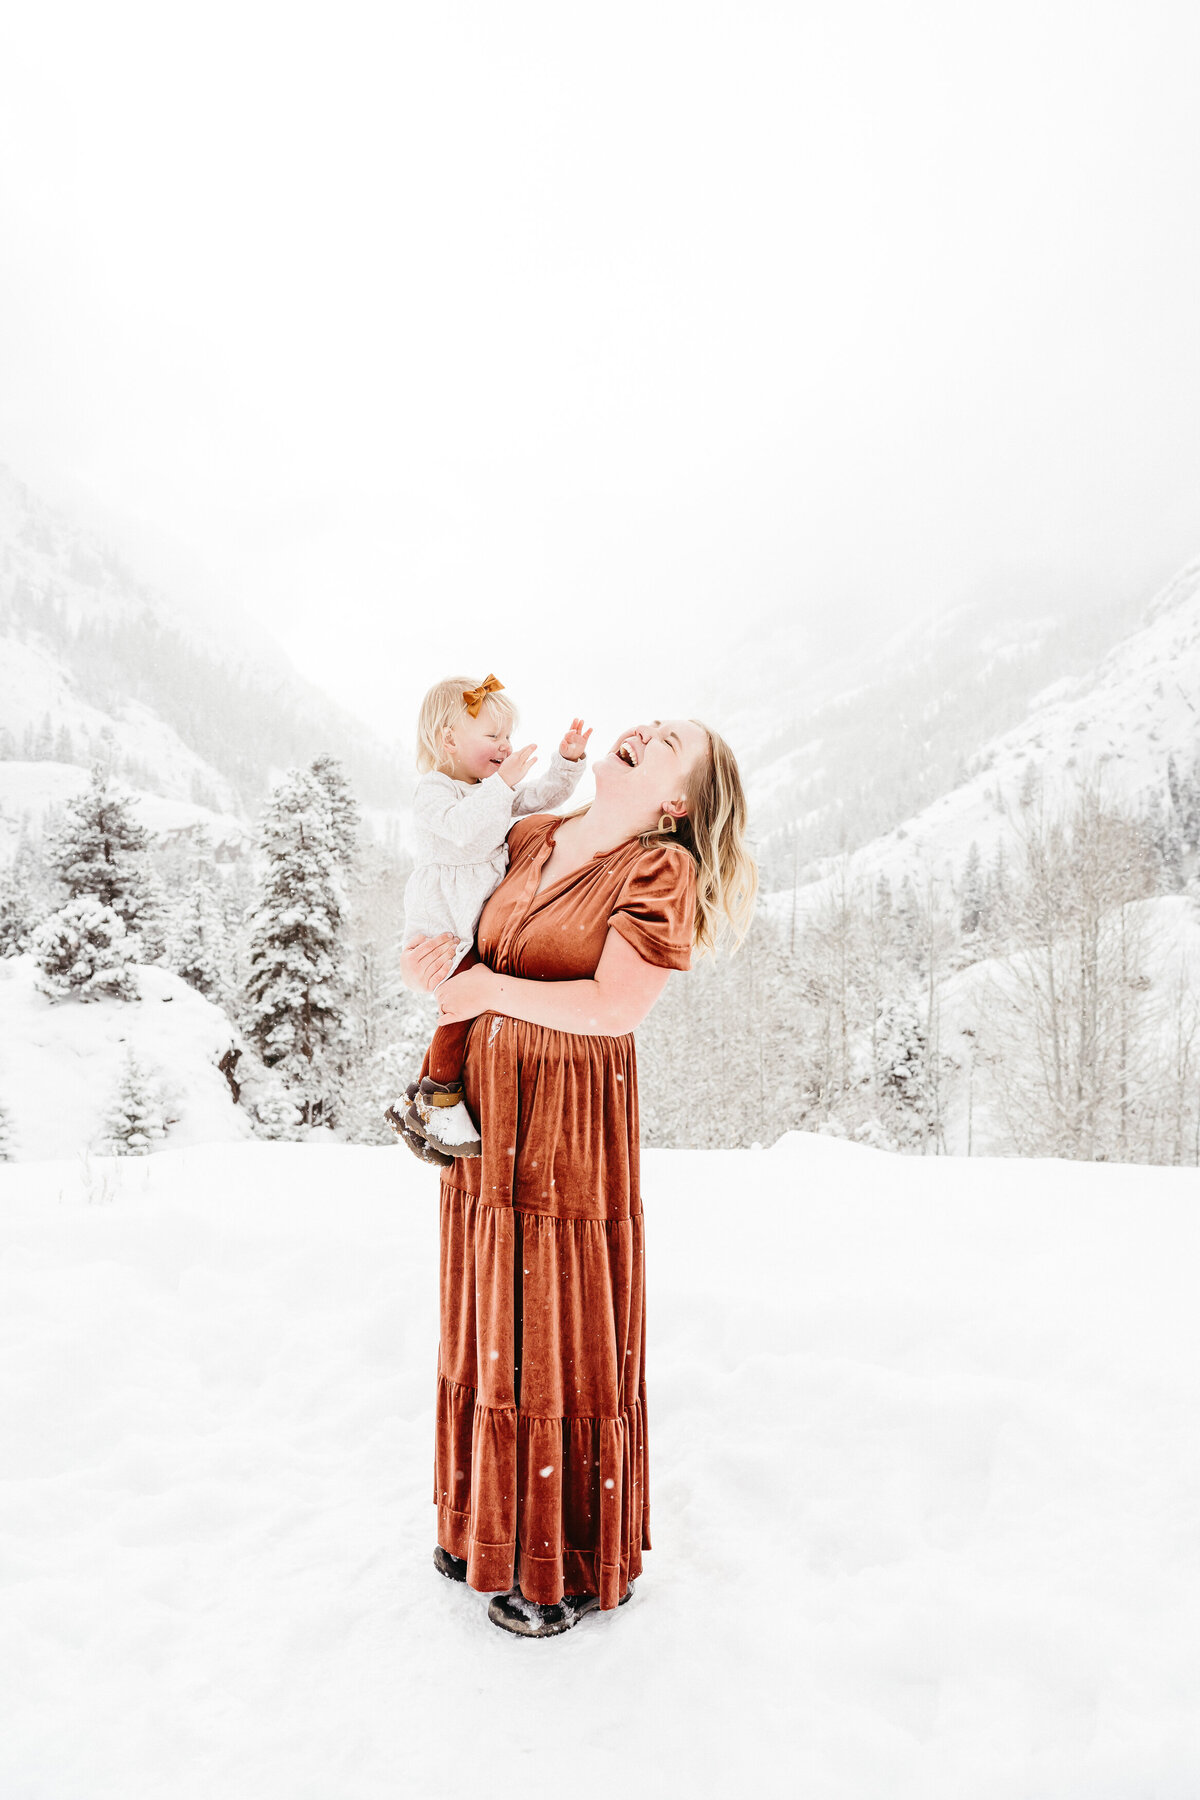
465 802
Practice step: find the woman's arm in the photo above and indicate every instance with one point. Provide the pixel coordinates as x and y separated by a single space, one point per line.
615 1000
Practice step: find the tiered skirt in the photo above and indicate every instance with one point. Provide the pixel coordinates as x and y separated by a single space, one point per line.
540 1468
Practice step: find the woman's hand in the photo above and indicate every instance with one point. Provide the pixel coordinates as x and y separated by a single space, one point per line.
426 961
465 996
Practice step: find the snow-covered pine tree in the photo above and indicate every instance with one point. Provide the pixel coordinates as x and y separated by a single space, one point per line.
344 817
906 917
99 849
902 1057
135 1120
295 991
82 952
6 1143
16 917
997 896
197 943
971 891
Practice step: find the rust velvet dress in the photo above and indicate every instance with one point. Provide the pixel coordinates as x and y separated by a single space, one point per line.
540 1458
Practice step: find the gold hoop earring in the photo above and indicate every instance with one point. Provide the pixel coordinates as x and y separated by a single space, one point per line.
666 822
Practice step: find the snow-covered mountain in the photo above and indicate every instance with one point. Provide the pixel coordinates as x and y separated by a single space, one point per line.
1120 723
195 716
839 751
1119 719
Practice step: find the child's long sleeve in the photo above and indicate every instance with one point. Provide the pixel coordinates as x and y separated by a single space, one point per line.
551 789
475 821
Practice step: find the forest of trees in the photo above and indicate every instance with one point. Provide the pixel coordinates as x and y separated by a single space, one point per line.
1026 1006
299 949
1031 1004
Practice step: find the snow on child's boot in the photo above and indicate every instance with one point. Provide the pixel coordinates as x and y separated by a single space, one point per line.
445 1121
403 1120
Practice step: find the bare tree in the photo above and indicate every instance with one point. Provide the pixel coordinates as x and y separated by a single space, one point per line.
1067 1019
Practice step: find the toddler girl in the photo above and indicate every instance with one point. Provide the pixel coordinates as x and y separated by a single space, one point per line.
464 805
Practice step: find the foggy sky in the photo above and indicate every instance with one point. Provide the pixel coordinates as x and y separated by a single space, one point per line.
571 342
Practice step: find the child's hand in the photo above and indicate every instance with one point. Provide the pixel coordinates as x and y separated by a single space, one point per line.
574 744
516 765
426 961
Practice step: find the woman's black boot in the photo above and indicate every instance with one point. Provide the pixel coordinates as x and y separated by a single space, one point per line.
453 1567
513 1612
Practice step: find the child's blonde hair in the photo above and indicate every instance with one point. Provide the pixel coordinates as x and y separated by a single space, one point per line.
444 706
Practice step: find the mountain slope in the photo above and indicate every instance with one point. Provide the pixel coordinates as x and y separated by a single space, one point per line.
95 664
838 751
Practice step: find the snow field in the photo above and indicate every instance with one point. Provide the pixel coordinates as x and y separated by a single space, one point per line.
924 1479
60 1064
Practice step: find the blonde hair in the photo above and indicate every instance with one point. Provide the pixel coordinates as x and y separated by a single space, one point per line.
443 708
714 835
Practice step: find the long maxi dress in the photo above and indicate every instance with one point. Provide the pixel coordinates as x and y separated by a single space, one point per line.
540 1466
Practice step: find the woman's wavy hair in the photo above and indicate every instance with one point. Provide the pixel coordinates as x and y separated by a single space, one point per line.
443 707
714 835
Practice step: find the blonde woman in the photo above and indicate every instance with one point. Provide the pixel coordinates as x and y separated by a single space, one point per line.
541 1454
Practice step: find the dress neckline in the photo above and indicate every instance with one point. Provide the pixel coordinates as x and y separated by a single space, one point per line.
539 893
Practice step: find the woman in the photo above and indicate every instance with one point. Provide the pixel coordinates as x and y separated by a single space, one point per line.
540 1463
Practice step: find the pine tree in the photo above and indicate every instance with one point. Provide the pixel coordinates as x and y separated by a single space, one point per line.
971 895
6 1143
906 915
135 1119
344 817
997 895
15 912
295 992
197 941
98 849
82 953
277 1117
902 1054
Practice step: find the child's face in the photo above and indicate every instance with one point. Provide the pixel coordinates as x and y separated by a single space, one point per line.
475 748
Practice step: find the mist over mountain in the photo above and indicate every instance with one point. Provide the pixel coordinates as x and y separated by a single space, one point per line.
842 749
96 663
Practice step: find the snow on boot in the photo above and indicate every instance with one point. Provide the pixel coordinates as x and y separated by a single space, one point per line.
513 1612
404 1122
445 1121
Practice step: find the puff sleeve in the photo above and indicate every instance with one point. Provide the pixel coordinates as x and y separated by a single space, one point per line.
656 908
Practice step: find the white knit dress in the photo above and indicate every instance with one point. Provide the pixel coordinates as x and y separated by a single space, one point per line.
459 834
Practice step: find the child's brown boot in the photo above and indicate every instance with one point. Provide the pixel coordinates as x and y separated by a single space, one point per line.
444 1119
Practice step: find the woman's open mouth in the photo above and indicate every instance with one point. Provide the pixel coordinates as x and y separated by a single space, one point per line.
627 753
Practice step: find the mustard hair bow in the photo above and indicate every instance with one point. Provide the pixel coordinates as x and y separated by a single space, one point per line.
473 698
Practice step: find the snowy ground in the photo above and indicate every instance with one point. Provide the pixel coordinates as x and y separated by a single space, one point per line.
60 1063
925 1464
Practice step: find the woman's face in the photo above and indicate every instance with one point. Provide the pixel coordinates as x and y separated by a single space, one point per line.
650 764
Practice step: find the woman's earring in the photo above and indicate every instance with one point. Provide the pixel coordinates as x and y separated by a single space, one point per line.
666 822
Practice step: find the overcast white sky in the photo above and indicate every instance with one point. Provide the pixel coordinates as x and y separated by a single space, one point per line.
568 341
